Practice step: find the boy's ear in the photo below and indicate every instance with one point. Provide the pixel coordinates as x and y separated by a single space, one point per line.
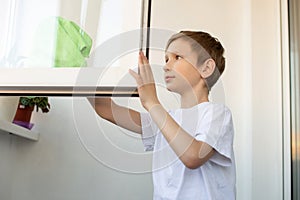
207 68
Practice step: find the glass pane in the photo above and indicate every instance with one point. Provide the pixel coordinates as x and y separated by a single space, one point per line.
33 30
65 36
250 86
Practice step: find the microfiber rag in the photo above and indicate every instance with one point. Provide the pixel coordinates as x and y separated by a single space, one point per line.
73 45
59 42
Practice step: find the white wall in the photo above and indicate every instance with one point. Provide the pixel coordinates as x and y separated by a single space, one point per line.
59 166
266 101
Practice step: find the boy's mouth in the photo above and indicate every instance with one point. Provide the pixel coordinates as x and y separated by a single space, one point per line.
169 78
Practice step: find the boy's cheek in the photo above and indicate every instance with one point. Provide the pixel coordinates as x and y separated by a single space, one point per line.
187 72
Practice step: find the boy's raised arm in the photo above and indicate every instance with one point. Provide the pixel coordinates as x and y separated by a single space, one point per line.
119 115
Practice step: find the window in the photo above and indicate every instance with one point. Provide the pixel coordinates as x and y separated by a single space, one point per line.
31 55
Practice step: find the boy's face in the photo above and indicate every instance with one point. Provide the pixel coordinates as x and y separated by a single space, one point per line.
181 71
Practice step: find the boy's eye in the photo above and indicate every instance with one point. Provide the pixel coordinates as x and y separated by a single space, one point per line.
178 57
175 57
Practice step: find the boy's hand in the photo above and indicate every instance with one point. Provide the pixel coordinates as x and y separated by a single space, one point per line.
145 83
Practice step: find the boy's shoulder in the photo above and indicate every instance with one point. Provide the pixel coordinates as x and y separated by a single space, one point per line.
214 106
204 106
216 109
203 109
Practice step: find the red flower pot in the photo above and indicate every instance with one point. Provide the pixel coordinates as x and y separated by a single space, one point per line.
23 116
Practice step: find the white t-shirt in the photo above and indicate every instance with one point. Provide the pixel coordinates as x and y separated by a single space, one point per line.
215 179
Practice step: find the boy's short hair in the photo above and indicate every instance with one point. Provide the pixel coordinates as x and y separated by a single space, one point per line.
201 41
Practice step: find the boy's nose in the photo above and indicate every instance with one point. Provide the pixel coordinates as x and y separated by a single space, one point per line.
167 66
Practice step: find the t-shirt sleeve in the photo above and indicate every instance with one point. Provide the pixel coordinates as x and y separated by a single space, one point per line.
216 129
149 131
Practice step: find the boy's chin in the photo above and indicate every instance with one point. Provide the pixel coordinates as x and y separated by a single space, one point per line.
171 90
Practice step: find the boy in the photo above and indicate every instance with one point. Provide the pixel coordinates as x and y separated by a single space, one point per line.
193 155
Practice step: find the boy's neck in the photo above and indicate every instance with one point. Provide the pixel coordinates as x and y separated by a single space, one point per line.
191 99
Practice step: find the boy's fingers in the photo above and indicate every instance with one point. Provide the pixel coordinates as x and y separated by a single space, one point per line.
141 65
144 58
136 76
144 66
145 72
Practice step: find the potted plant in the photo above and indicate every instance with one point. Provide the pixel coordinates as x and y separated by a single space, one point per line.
25 108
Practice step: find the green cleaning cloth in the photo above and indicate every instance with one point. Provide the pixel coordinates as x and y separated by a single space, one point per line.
73 45
59 42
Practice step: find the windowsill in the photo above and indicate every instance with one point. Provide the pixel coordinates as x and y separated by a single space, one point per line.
9 127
